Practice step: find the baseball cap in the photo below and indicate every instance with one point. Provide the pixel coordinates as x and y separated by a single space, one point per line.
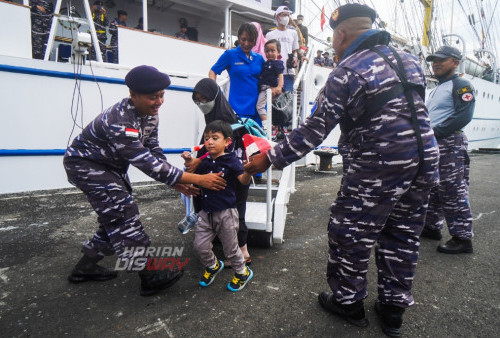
445 52
282 9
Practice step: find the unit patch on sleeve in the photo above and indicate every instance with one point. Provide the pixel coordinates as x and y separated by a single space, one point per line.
466 89
467 97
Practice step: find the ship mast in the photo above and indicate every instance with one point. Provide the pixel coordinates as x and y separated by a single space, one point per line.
428 5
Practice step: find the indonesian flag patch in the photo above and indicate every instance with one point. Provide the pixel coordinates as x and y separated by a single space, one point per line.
129 132
467 97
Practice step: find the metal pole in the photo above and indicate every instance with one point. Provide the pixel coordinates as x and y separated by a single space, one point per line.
494 62
95 41
145 15
461 67
269 206
52 32
227 28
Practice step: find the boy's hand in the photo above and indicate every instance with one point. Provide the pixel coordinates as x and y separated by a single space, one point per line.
186 156
192 164
187 189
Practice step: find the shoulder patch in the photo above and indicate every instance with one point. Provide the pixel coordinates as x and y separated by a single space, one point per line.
467 97
466 89
129 132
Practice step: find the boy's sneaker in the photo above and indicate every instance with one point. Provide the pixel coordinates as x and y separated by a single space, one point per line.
209 274
240 280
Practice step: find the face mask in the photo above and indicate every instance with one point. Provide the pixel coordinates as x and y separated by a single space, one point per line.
206 107
284 20
299 22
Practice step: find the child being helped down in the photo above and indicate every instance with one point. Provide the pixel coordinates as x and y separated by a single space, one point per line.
271 77
218 214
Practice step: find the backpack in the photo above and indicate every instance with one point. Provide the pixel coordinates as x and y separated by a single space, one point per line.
250 126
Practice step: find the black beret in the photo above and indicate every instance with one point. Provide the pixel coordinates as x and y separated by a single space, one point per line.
351 11
146 80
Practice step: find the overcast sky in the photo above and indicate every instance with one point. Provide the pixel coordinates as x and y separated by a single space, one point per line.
450 16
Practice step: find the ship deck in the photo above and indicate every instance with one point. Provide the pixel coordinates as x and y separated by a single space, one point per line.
40 235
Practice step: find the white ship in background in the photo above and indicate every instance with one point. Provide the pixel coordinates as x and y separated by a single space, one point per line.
46 102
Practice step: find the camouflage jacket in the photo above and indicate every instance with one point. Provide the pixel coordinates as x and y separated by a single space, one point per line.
388 133
119 136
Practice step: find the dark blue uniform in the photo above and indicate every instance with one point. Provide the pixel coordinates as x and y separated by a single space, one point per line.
41 20
113 30
97 163
385 189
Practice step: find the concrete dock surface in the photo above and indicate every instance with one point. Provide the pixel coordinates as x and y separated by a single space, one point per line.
41 232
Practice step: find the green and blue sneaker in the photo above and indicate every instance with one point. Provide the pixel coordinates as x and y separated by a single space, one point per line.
240 280
209 274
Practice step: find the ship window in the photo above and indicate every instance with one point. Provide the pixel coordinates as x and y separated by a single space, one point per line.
483 129
484 94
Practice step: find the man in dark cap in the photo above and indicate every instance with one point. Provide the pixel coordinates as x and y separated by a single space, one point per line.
451 106
182 33
303 29
41 19
101 22
390 158
120 20
318 60
191 32
328 61
97 162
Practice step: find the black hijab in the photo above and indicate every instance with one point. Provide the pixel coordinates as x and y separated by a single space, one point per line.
222 109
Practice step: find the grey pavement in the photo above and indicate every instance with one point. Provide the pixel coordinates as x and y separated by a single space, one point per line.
41 232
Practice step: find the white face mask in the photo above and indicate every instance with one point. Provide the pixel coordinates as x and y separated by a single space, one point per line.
284 20
299 22
206 107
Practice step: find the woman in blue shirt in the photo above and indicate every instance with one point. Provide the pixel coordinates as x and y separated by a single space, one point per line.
244 67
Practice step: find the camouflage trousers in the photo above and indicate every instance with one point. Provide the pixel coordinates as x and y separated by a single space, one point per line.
381 203
39 36
110 194
450 199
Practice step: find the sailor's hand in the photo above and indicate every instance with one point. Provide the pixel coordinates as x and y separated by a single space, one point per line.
213 181
187 189
40 8
192 164
257 164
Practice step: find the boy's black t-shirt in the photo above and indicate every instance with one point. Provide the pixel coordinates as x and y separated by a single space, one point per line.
270 72
231 166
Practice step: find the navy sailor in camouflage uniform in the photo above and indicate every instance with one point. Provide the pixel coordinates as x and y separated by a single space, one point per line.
97 162
392 167
41 19
451 106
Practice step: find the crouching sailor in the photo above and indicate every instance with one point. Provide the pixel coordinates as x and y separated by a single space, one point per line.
97 163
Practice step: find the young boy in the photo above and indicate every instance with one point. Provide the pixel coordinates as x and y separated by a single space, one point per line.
271 77
218 215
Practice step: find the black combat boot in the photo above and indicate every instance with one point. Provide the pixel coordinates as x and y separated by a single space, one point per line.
391 318
432 234
353 313
87 270
153 282
455 246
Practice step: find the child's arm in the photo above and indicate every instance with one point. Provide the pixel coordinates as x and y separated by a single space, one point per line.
279 89
245 178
